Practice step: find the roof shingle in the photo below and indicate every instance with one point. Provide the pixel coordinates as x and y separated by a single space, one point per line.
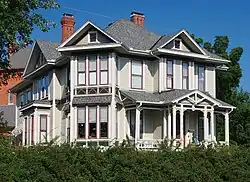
49 49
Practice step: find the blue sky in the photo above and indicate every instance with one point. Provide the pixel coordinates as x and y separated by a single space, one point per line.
204 18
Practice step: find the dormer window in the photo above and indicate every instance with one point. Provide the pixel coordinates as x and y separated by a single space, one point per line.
92 37
177 43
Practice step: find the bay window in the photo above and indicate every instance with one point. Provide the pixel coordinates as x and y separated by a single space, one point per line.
43 128
104 121
92 122
170 77
184 75
81 122
81 66
201 78
136 74
103 69
92 70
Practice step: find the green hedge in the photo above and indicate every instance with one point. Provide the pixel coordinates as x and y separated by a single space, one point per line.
65 163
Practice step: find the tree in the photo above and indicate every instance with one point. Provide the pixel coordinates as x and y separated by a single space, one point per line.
17 21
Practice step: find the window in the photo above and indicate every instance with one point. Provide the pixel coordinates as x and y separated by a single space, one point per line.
32 130
92 37
21 99
81 122
29 96
43 128
201 78
81 71
169 74
136 74
184 75
10 98
92 122
92 70
42 85
104 121
103 69
132 123
177 44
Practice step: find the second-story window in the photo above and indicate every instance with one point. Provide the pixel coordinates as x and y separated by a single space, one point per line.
201 78
81 71
92 70
136 74
170 77
103 69
184 75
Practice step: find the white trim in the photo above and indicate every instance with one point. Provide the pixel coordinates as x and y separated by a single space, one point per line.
81 28
27 63
35 105
191 54
190 38
89 47
198 92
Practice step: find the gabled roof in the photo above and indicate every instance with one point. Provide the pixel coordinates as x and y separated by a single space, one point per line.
19 59
80 30
168 97
132 35
48 49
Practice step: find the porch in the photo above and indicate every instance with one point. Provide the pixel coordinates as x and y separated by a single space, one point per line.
187 119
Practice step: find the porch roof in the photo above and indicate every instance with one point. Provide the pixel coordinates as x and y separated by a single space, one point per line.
166 97
88 100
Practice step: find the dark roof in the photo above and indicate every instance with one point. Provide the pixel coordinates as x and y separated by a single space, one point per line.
166 96
19 59
132 35
9 114
212 55
88 100
49 49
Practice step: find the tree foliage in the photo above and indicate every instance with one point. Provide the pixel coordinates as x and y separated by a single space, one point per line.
17 21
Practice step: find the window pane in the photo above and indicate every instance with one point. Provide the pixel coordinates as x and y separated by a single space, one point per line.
81 65
185 83
136 81
81 130
103 114
201 78
104 77
92 78
170 67
92 130
137 67
43 122
169 82
43 136
177 44
81 78
201 85
201 73
92 37
92 114
81 115
185 69
103 62
104 130
92 63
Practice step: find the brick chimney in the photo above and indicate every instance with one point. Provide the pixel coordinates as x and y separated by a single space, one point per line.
68 23
137 18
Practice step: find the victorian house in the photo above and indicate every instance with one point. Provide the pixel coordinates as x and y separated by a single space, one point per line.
103 85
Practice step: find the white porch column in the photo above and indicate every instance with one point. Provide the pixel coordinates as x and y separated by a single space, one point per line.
137 125
174 125
205 124
181 126
164 124
36 131
227 128
169 124
212 125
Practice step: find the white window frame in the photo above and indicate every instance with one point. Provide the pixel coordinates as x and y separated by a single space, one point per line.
142 74
9 98
180 44
187 77
90 32
204 81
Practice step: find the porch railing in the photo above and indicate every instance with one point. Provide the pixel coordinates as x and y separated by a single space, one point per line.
149 144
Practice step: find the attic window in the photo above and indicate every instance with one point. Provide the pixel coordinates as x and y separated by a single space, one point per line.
92 37
177 43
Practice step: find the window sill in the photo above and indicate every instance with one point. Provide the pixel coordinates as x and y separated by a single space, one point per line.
137 89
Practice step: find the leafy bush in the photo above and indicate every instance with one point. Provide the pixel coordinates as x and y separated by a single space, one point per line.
122 163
